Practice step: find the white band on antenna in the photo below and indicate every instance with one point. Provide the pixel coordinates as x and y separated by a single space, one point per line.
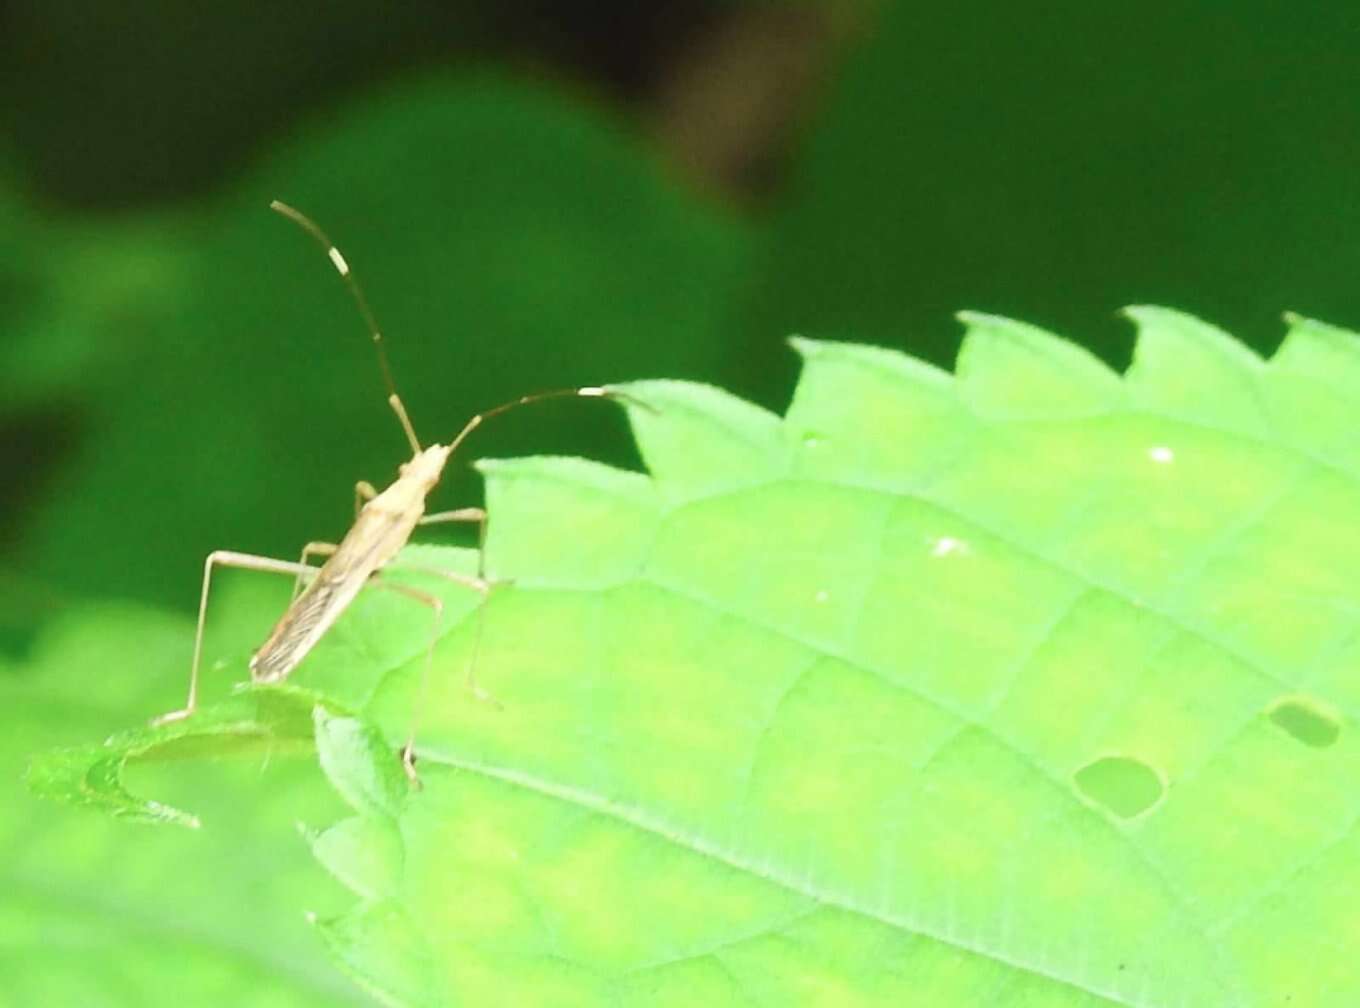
338 260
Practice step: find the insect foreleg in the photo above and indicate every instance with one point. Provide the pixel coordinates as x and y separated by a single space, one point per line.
467 514
225 558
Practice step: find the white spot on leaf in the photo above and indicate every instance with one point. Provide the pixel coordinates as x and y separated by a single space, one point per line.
1161 454
946 545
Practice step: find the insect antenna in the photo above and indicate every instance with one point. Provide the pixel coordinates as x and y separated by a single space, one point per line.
357 293
585 391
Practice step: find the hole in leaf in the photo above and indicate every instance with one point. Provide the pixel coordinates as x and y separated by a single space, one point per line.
1305 720
1122 785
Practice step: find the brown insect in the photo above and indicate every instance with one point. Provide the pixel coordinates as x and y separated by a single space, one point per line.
383 524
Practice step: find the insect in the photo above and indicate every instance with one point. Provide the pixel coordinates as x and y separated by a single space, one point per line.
384 521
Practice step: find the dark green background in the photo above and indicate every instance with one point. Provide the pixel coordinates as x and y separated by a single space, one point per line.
535 194
179 371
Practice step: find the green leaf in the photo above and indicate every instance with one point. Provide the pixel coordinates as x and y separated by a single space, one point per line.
93 775
359 764
1031 686
97 910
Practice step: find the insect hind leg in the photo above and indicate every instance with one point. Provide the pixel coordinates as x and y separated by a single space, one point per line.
482 583
436 604
479 585
224 558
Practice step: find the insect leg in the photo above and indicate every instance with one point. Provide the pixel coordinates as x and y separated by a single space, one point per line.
470 514
466 580
478 584
408 760
467 514
363 493
310 550
225 558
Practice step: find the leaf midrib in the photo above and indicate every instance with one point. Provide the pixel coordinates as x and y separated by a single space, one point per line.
653 825
1197 927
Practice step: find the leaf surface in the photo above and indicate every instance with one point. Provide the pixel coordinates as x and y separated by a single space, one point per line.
1030 686
1034 685
99 910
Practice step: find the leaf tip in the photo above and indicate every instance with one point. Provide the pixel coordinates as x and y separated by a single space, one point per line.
1297 320
1144 314
970 318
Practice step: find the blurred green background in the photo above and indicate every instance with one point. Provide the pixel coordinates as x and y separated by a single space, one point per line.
537 195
